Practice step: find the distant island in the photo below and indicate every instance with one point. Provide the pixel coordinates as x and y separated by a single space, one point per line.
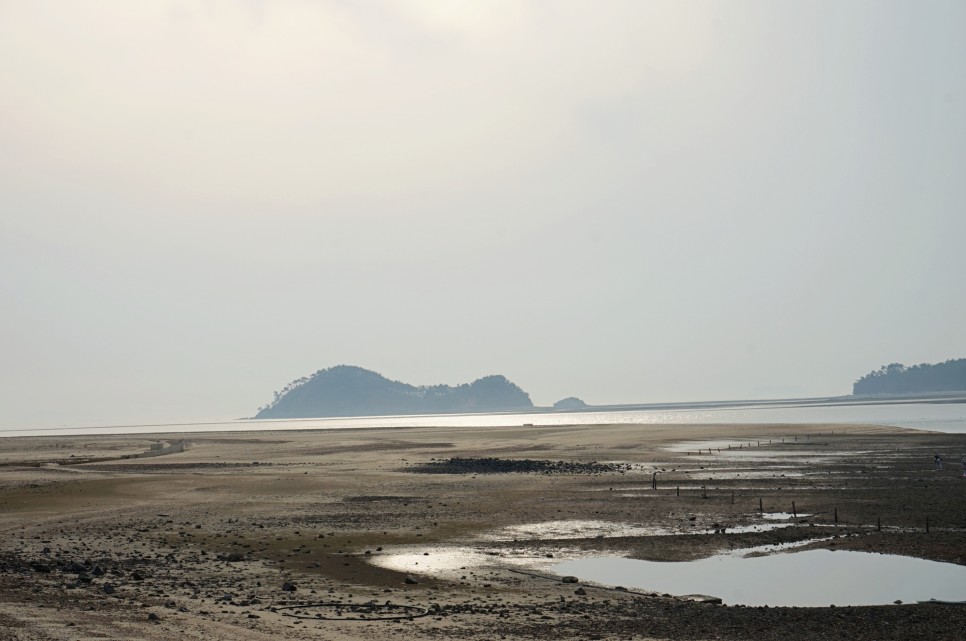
896 378
346 390
570 403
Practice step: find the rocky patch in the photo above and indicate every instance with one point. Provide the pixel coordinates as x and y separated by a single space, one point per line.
515 466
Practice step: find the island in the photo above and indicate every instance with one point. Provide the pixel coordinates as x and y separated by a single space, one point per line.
570 403
896 378
347 390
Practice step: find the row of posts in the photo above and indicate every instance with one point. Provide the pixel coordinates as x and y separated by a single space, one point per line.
758 443
835 511
761 508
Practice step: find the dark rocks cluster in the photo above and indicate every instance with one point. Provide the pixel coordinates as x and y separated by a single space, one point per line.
520 466
82 571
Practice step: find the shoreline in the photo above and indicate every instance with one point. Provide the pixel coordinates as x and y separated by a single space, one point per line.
245 513
251 424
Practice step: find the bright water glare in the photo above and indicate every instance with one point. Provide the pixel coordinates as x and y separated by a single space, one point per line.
941 417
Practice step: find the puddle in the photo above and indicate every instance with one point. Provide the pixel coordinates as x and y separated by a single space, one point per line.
723 445
757 527
573 529
442 562
783 516
807 456
454 562
813 578
563 530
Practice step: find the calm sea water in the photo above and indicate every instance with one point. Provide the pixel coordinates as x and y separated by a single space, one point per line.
940 417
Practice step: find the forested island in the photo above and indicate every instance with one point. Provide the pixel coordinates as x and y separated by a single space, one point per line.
346 390
896 378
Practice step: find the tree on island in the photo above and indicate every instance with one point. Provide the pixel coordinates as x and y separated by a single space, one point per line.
896 378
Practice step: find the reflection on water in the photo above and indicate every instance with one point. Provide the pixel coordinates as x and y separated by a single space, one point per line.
812 578
942 417
783 516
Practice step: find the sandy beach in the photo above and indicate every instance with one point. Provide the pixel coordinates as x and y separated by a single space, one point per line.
440 533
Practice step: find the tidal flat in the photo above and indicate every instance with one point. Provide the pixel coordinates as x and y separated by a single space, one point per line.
441 533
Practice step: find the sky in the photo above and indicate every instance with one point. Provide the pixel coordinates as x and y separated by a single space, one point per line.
624 201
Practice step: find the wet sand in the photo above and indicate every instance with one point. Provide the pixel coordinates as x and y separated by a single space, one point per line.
270 535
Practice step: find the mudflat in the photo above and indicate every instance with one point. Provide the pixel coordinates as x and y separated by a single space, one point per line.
442 533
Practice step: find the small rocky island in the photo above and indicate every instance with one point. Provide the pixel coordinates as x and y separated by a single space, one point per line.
570 403
346 390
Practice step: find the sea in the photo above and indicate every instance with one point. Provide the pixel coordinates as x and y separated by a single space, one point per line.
948 416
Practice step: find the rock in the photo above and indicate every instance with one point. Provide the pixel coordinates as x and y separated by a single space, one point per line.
288 586
570 579
502 466
409 580
702 598
580 592
40 567
108 588
153 617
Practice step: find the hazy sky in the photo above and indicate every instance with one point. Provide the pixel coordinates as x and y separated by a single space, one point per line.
624 201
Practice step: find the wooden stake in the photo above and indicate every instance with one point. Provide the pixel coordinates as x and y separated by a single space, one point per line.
794 512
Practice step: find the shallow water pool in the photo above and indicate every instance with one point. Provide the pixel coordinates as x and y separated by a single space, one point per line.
813 578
